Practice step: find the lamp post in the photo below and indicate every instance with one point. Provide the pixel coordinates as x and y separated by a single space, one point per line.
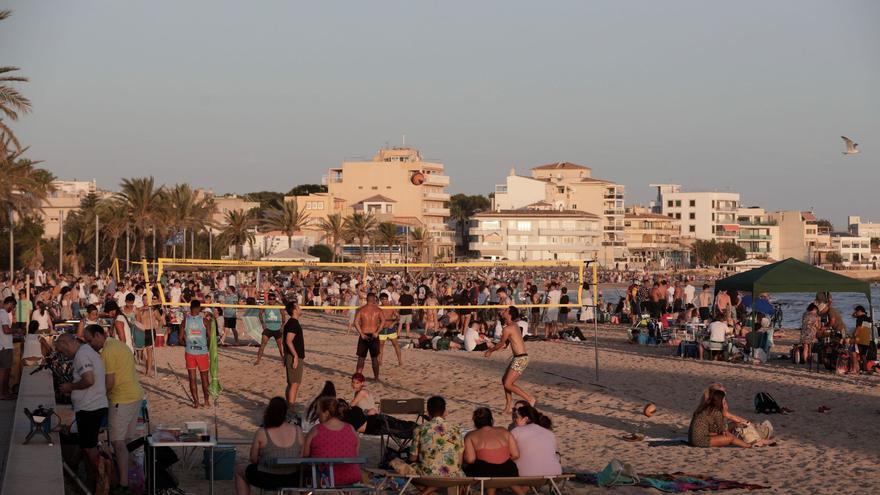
61 241
11 246
97 246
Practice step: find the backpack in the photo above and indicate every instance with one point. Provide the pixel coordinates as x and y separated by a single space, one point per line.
765 404
424 342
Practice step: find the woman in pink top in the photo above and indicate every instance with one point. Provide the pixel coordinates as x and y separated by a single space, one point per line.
537 443
490 451
333 438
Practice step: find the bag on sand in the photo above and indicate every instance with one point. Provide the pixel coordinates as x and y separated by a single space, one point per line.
617 473
751 433
765 404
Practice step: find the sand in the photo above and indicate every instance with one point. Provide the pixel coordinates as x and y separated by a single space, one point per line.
834 452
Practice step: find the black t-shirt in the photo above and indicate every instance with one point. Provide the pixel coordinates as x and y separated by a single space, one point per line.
406 300
564 300
293 326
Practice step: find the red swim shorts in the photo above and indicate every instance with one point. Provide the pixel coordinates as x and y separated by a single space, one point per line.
196 361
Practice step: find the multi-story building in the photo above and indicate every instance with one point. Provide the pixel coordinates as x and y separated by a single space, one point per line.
652 240
854 250
535 233
568 186
758 233
63 200
703 215
801 237
226 203
397 185
863 229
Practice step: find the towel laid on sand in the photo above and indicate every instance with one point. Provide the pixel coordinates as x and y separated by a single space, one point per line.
678 482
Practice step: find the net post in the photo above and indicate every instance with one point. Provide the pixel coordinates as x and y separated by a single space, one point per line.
581 283
147 282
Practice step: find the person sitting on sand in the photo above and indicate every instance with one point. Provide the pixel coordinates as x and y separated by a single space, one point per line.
490 451
311 417
728 416
437 445
334 438
363 413
536 442
276 438
707 427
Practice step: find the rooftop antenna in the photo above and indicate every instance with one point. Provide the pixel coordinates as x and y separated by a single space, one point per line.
404 140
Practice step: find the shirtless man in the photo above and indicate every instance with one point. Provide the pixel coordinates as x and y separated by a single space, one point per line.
512 336
389 330
368 320
657 299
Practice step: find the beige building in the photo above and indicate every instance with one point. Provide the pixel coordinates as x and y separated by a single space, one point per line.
758 233
65 199
398 186
568 186
702 215
853 249
859 228
801 237
227 203
652 240
535 233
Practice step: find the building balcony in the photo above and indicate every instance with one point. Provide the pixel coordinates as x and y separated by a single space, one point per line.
478 231
756 237
436 196
440 212
613 228
574 232
436 180
757 223
614 211
612 196
485 246
500 188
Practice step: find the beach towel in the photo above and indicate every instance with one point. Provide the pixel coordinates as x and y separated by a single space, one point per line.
254 328
676 482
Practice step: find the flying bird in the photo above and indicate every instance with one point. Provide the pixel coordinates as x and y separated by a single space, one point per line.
851 147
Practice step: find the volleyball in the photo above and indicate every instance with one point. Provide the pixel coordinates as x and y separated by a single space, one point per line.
650 409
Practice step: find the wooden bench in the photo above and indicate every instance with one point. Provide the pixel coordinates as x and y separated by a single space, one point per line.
315 487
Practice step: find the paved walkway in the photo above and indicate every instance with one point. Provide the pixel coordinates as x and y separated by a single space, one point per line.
7 410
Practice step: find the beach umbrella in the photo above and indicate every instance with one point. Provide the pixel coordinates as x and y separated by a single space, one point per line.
214 388
761 305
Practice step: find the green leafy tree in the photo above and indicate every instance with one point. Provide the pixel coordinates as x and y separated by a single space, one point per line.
238 231
834 258
142 201
419 239
730 250
360 226
267 199
12 102
462 207
387 235
322 252
706 252
287 218
306 189
334 230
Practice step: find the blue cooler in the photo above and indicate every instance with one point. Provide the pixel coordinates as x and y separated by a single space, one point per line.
224 462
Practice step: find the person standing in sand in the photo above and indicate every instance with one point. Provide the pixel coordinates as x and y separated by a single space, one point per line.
195 341
368 320
511 335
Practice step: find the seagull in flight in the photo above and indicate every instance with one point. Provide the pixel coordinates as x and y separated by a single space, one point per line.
851 147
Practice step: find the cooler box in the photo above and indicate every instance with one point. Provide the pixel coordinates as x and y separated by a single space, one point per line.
159 340
224 462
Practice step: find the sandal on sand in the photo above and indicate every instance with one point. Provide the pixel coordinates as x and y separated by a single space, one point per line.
786 410
823 409
633 437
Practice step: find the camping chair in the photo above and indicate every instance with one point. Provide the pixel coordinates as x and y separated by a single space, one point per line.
395 407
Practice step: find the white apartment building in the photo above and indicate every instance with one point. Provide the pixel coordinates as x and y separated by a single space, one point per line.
854 250
700 215
862 229
65 199
569 186
758 233
536 233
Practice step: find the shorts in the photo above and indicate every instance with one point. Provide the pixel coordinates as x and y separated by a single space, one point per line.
519 363
370 345
123 421
294 375
88 424
272 334
270 481
148 337
388 334
6 359
704 313
229 322
406 319
563 317
196 361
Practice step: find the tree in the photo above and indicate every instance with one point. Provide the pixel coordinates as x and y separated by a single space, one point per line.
23 187
388 235
334 230
418 237
12 103
142 201
462 207
113 221
360 226
267 199
825 225
287 218
706 252
834 258
306 189
238 231
731 250
183 208
322 252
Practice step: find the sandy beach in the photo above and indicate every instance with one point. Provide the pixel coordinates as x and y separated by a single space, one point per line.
817 453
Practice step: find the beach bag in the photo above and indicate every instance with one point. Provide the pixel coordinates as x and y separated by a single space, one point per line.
443 344
842 363
751 433
424 342
765 404
616 473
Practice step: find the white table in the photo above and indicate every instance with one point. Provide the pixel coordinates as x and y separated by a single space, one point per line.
210 444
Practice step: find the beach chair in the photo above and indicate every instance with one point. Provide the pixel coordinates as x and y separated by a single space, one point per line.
315 485
400 439
555 483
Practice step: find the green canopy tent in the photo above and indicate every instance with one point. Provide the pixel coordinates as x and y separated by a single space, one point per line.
791 275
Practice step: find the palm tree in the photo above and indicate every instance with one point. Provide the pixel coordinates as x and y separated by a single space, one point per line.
113 221
387 234
419 238
142 201
334 230
12 103
23 187
238 230
360 226
287 218
185 209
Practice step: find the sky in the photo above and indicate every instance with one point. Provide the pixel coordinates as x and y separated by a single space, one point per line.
747 96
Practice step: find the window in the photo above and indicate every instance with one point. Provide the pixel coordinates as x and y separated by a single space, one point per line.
713 204
670 215
375 187
574 207
692 228
693 202
524 226
678 216
389 208
561 190
692 216
713 217
669 203
490 225
678 202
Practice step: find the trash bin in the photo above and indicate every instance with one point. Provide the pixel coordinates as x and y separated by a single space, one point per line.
224 462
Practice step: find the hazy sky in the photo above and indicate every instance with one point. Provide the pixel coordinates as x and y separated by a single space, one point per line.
750 96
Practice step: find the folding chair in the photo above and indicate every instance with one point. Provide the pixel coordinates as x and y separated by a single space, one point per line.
397 407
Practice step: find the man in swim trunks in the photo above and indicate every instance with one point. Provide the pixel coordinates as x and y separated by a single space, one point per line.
389 332
512 336
368 320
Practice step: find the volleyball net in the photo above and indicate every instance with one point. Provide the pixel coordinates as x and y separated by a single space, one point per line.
336 286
